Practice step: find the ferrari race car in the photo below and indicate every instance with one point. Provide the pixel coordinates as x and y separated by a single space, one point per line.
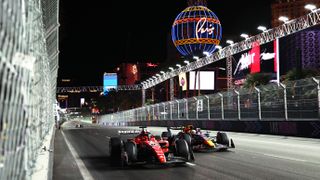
146 148
199 140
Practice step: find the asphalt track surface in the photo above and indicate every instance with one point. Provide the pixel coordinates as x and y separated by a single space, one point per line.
82 153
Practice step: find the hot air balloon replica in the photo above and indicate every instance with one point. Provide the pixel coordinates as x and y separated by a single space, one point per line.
196 30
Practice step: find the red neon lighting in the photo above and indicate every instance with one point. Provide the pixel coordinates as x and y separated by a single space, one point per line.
275 68
255 54
187 20
151 65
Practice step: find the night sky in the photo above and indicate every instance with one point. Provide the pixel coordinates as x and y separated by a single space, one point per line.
97 35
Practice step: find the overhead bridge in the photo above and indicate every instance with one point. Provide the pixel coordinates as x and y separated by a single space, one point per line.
93 89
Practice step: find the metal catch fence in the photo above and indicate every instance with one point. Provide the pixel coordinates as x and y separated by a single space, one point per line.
293 100
28 72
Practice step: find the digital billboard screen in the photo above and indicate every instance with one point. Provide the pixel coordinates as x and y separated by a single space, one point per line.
110 80
206 80
259 59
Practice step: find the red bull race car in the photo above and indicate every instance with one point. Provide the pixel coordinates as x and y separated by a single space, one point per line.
146 148
199 140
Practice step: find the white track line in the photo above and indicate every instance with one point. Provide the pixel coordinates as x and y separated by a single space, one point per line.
82 168
190 164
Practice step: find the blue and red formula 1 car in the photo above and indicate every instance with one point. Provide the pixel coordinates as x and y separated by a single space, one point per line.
199 140
146 148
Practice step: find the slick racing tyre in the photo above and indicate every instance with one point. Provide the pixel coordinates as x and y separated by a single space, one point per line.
115 146
131 150
222 138
187 138
182 148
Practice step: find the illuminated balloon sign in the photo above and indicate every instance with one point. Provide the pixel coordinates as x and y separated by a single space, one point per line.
196 30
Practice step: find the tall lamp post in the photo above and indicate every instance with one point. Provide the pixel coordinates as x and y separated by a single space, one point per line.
229 68
310 7
195 79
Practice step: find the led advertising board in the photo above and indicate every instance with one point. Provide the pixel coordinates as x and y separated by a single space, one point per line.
259 59
183 81
110 80
206 79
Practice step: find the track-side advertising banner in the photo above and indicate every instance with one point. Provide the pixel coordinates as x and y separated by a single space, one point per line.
110 80
183 81
259 59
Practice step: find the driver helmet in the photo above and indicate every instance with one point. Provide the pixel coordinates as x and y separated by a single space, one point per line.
198 130
145 134
190 127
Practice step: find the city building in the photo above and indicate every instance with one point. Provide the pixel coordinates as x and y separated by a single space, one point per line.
77 96
290 8
133 73
299 50
128 73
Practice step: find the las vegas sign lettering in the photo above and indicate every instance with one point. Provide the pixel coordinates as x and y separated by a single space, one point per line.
201 29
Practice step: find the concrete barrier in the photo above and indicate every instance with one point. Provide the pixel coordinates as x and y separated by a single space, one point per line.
309 129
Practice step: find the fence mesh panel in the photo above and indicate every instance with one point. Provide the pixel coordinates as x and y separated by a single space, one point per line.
292 100
28 72
302 99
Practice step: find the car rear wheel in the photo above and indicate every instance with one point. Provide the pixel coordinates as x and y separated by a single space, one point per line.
222 138
115 148
182 148
187 138
132 151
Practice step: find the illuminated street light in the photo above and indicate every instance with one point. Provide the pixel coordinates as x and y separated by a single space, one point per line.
246 36
178 65
187 62
171 68
154 77
283 19
221 68
162 72
206 53
219 47
230 42
262 28
310 7
158 75
196 58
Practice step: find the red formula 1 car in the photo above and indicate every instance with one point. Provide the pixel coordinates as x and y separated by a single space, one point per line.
145 148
